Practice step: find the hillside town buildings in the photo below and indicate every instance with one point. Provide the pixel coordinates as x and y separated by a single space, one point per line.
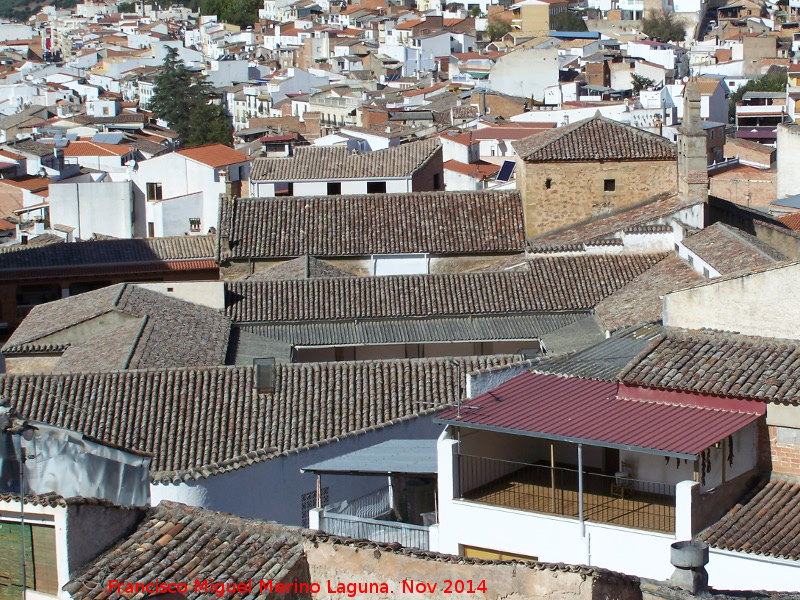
486 292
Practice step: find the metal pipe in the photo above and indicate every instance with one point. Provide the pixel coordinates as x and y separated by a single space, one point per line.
22 511
580 489
553 476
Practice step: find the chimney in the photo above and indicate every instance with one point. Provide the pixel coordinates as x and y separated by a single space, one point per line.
224 241
690 560
264 375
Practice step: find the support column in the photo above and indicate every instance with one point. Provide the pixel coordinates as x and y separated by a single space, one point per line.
580 489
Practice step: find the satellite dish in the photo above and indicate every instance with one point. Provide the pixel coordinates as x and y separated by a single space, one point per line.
685 79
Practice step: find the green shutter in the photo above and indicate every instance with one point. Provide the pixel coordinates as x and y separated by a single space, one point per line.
41 571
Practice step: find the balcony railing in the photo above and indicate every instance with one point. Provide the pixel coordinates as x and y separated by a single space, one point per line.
554 490
405 534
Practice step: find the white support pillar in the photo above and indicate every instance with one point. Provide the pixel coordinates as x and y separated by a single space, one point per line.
684 493
580 490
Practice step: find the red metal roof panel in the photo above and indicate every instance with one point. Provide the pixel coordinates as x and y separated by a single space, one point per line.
604 413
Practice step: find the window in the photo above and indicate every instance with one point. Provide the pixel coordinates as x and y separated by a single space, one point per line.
706 273
151 229
609 185
334 188
437 181
41 572
154 191
194 224
30 295
376 187
547 183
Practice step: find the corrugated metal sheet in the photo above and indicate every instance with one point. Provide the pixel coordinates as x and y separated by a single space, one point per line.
410 331
600 413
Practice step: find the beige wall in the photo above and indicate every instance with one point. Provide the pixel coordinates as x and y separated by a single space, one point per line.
31 364
343 563
737 304
576 191
745 187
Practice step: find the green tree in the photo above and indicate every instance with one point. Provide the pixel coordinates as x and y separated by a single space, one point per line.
640 82
186 101
497 29
237 12
126 7
475 11
567 21
664 26
773 81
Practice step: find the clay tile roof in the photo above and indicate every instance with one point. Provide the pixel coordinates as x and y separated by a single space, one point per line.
723 364
596 138
728 249
106 252
337 162
792 221
200 421
215 155
95 149
159 331
199 542
439 222
640 300
478 170
764 522
548 284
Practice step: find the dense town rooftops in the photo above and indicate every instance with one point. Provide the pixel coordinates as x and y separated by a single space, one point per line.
215 155
337 162
444 223
595 138
197 422
547 284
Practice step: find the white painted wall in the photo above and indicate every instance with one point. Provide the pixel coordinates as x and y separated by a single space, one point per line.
205 293
400 264
100 207
737 304
171 217
788 150
266 189
525 73
743 571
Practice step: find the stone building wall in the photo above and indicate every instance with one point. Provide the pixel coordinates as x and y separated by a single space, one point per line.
557 195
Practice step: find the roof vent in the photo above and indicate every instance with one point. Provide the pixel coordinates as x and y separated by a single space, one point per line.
265 375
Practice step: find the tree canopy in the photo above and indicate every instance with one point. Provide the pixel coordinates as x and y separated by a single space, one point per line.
640 82
185 100
237 12
497 29
567 21
773 81
664 26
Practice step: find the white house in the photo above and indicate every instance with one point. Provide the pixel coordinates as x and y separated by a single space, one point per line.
178 193
334 170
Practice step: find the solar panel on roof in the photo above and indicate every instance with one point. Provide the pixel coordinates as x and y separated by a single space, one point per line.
506 170
72 137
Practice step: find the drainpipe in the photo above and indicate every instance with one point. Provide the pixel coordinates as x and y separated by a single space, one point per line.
580 490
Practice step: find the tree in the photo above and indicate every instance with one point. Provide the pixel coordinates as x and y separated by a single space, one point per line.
186 101
126 7
475 11
237 12
640 82
773 81
497 29
664 26
567 21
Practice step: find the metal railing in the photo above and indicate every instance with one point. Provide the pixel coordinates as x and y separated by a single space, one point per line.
411 536
626 502
370 506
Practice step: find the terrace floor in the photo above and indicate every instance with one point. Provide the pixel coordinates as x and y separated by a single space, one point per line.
531 489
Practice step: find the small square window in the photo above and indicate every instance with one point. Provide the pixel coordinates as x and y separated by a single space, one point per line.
194 224
609 185
154 191
334 188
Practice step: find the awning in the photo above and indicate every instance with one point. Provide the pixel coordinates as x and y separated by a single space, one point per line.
604 413
406 457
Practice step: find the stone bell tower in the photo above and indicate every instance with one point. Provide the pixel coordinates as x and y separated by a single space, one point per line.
692 154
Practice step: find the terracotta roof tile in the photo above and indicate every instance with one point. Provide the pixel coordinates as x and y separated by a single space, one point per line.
201 545
548 284
95 149
596 138
728 249
337 162
443 222
792 221
215 155
723 364
197 422
107 252
764 522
